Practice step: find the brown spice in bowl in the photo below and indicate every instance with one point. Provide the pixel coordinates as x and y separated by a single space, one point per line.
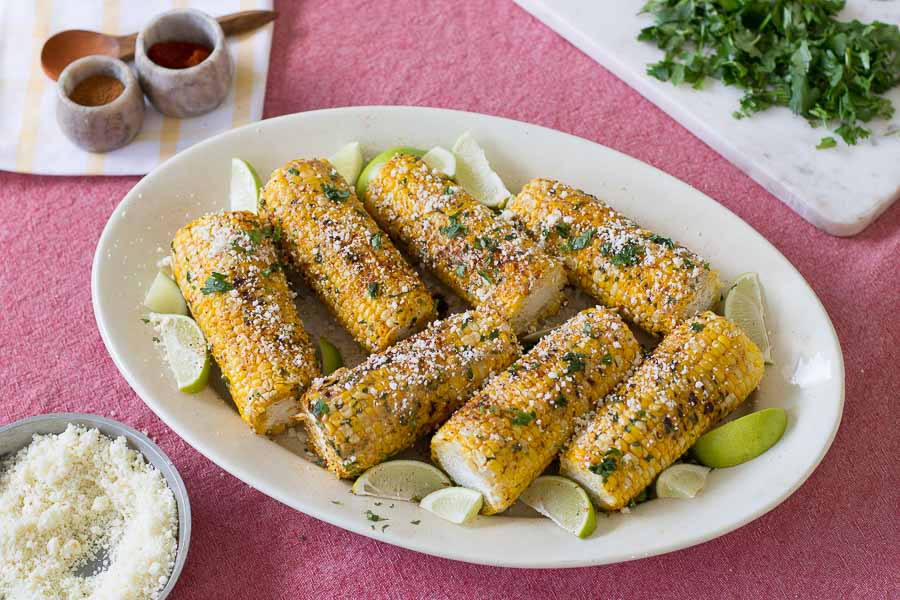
97 90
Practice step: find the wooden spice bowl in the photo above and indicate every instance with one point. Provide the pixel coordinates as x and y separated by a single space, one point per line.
114 120
192 91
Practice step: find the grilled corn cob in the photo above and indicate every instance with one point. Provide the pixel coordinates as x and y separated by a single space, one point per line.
358 417
227 268
352 266
654 281
508 433
483 259
697 375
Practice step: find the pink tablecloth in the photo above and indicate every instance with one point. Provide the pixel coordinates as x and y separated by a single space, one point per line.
836 537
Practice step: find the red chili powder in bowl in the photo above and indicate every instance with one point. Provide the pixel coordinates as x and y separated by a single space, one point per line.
178 55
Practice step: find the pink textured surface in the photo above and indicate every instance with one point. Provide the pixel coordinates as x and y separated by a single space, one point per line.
836 537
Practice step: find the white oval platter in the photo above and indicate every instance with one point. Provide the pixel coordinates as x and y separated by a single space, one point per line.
196 181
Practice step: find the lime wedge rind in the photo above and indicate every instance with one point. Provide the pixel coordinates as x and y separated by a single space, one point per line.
329 356
185 350
741 440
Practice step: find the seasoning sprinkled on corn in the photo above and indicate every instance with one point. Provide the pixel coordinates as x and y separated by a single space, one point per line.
356 418
227 268
654 281
697 375
486 260
507 434
352 266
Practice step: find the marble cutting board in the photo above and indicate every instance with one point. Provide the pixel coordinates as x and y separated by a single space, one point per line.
840 190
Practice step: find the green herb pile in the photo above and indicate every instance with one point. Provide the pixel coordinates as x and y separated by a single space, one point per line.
790 53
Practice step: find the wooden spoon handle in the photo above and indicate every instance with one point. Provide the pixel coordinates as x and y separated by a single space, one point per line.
239 22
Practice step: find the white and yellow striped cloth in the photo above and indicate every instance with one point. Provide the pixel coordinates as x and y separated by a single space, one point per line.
31 141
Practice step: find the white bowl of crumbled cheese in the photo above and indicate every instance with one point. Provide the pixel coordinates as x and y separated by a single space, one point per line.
89 508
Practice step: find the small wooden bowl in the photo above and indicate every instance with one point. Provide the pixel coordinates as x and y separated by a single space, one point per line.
105 127
185 92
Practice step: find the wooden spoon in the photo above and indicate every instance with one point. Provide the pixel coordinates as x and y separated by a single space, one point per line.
70 45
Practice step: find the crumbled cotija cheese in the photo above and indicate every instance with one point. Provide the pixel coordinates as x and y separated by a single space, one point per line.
70 499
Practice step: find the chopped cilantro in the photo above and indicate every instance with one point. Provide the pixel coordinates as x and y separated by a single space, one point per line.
605 467
374 288
320 408
563 229
416 522
697 326
216 283
273 268
520 417
188 276
145 319
781 53
588 330
460 270
561 401
826 142
662 241
375 240
293 171
338 502
486 276
607 359
454 227
373 517
627 256
582 241
155 339
574 362
335 194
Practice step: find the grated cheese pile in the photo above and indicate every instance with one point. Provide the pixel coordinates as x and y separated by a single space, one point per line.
84 516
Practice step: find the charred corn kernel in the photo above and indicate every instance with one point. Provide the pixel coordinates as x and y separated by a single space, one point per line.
507 434
352 266
227 268
356 418
654 281
697 375
483 259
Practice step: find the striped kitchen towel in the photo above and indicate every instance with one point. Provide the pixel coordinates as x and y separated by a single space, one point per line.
31 141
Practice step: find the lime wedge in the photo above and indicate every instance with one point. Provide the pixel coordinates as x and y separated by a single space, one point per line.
362 184
245 186
474 173
185 350
744 306
442 160
564 502
456 504
401 480
741 440
348 161
329 356
681 481
165 297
